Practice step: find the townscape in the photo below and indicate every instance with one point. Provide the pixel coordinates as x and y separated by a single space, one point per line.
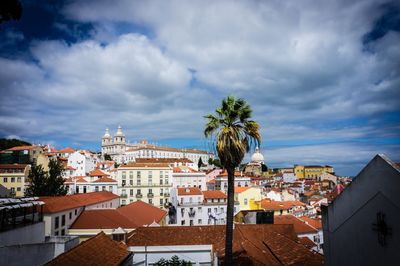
215 133
163 199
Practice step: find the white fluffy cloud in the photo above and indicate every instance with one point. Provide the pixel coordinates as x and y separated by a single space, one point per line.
302 66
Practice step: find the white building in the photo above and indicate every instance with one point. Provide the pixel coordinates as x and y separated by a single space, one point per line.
60 212
361 226
150 182
123 152
196 207
83 162
221 181
184 176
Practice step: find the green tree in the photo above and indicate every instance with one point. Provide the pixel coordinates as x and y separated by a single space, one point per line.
43 183
234 134
107 157
174 261
9 143
200 163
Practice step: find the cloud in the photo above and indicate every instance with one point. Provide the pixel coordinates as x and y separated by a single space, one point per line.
157 67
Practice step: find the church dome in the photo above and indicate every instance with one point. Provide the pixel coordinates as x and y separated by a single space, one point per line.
257 157
119 132
107 134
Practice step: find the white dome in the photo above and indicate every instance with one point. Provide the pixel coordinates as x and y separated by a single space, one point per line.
257 157
119 132
107 134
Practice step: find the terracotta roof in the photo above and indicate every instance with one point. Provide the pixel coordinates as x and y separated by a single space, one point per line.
67 150
98 250
142 213
212 181
314 222
105 180
261 244
300 227
241 189
70 168
102 219
189 191
97 172
13 166
21 148
184 169
273 205
214 194
225 173
62 203
308 243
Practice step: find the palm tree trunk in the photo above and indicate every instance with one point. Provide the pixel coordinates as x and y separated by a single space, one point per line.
229 218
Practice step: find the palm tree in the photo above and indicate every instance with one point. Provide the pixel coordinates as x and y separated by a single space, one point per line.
234 133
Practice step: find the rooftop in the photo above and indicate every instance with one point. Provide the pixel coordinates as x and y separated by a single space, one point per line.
300 227
257 244
62 203
189 191
98 250
214 194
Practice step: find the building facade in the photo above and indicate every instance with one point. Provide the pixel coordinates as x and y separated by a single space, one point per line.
123 152
14 178
148 182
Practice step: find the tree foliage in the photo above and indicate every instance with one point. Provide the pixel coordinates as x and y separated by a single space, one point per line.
47 183
200 163
107 157
174 261
234 134
9 143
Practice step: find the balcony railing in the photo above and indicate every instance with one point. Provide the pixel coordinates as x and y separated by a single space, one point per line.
139 196
166 194
150 195
124 196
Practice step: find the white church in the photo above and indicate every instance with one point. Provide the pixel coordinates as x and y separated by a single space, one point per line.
123 152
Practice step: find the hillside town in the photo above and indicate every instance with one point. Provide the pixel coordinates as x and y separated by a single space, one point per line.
143 203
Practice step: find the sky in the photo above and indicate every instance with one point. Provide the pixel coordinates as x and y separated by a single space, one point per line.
322 77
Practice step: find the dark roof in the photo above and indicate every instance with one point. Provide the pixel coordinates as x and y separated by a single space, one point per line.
262 244
98 250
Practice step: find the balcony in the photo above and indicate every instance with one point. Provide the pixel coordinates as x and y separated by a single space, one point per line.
166 194
139 196
124 196
150 195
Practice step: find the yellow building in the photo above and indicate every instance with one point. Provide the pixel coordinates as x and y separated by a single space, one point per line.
14 178
247 196
311 171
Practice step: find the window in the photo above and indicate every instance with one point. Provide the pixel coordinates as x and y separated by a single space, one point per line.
12 179
56 222
123 202
161 174
151 201
131 174
18 188
131 192
76 212
63 232
103 188
245 201
191 222
139 192
70 215
215 210
161 192
56 233
166 179
199 209
5 179
161 181
96 188
18 179
209 220
199 222
110 188
209 210
161 201
123 174
150 177
183 222
84 189
123 182
63 220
